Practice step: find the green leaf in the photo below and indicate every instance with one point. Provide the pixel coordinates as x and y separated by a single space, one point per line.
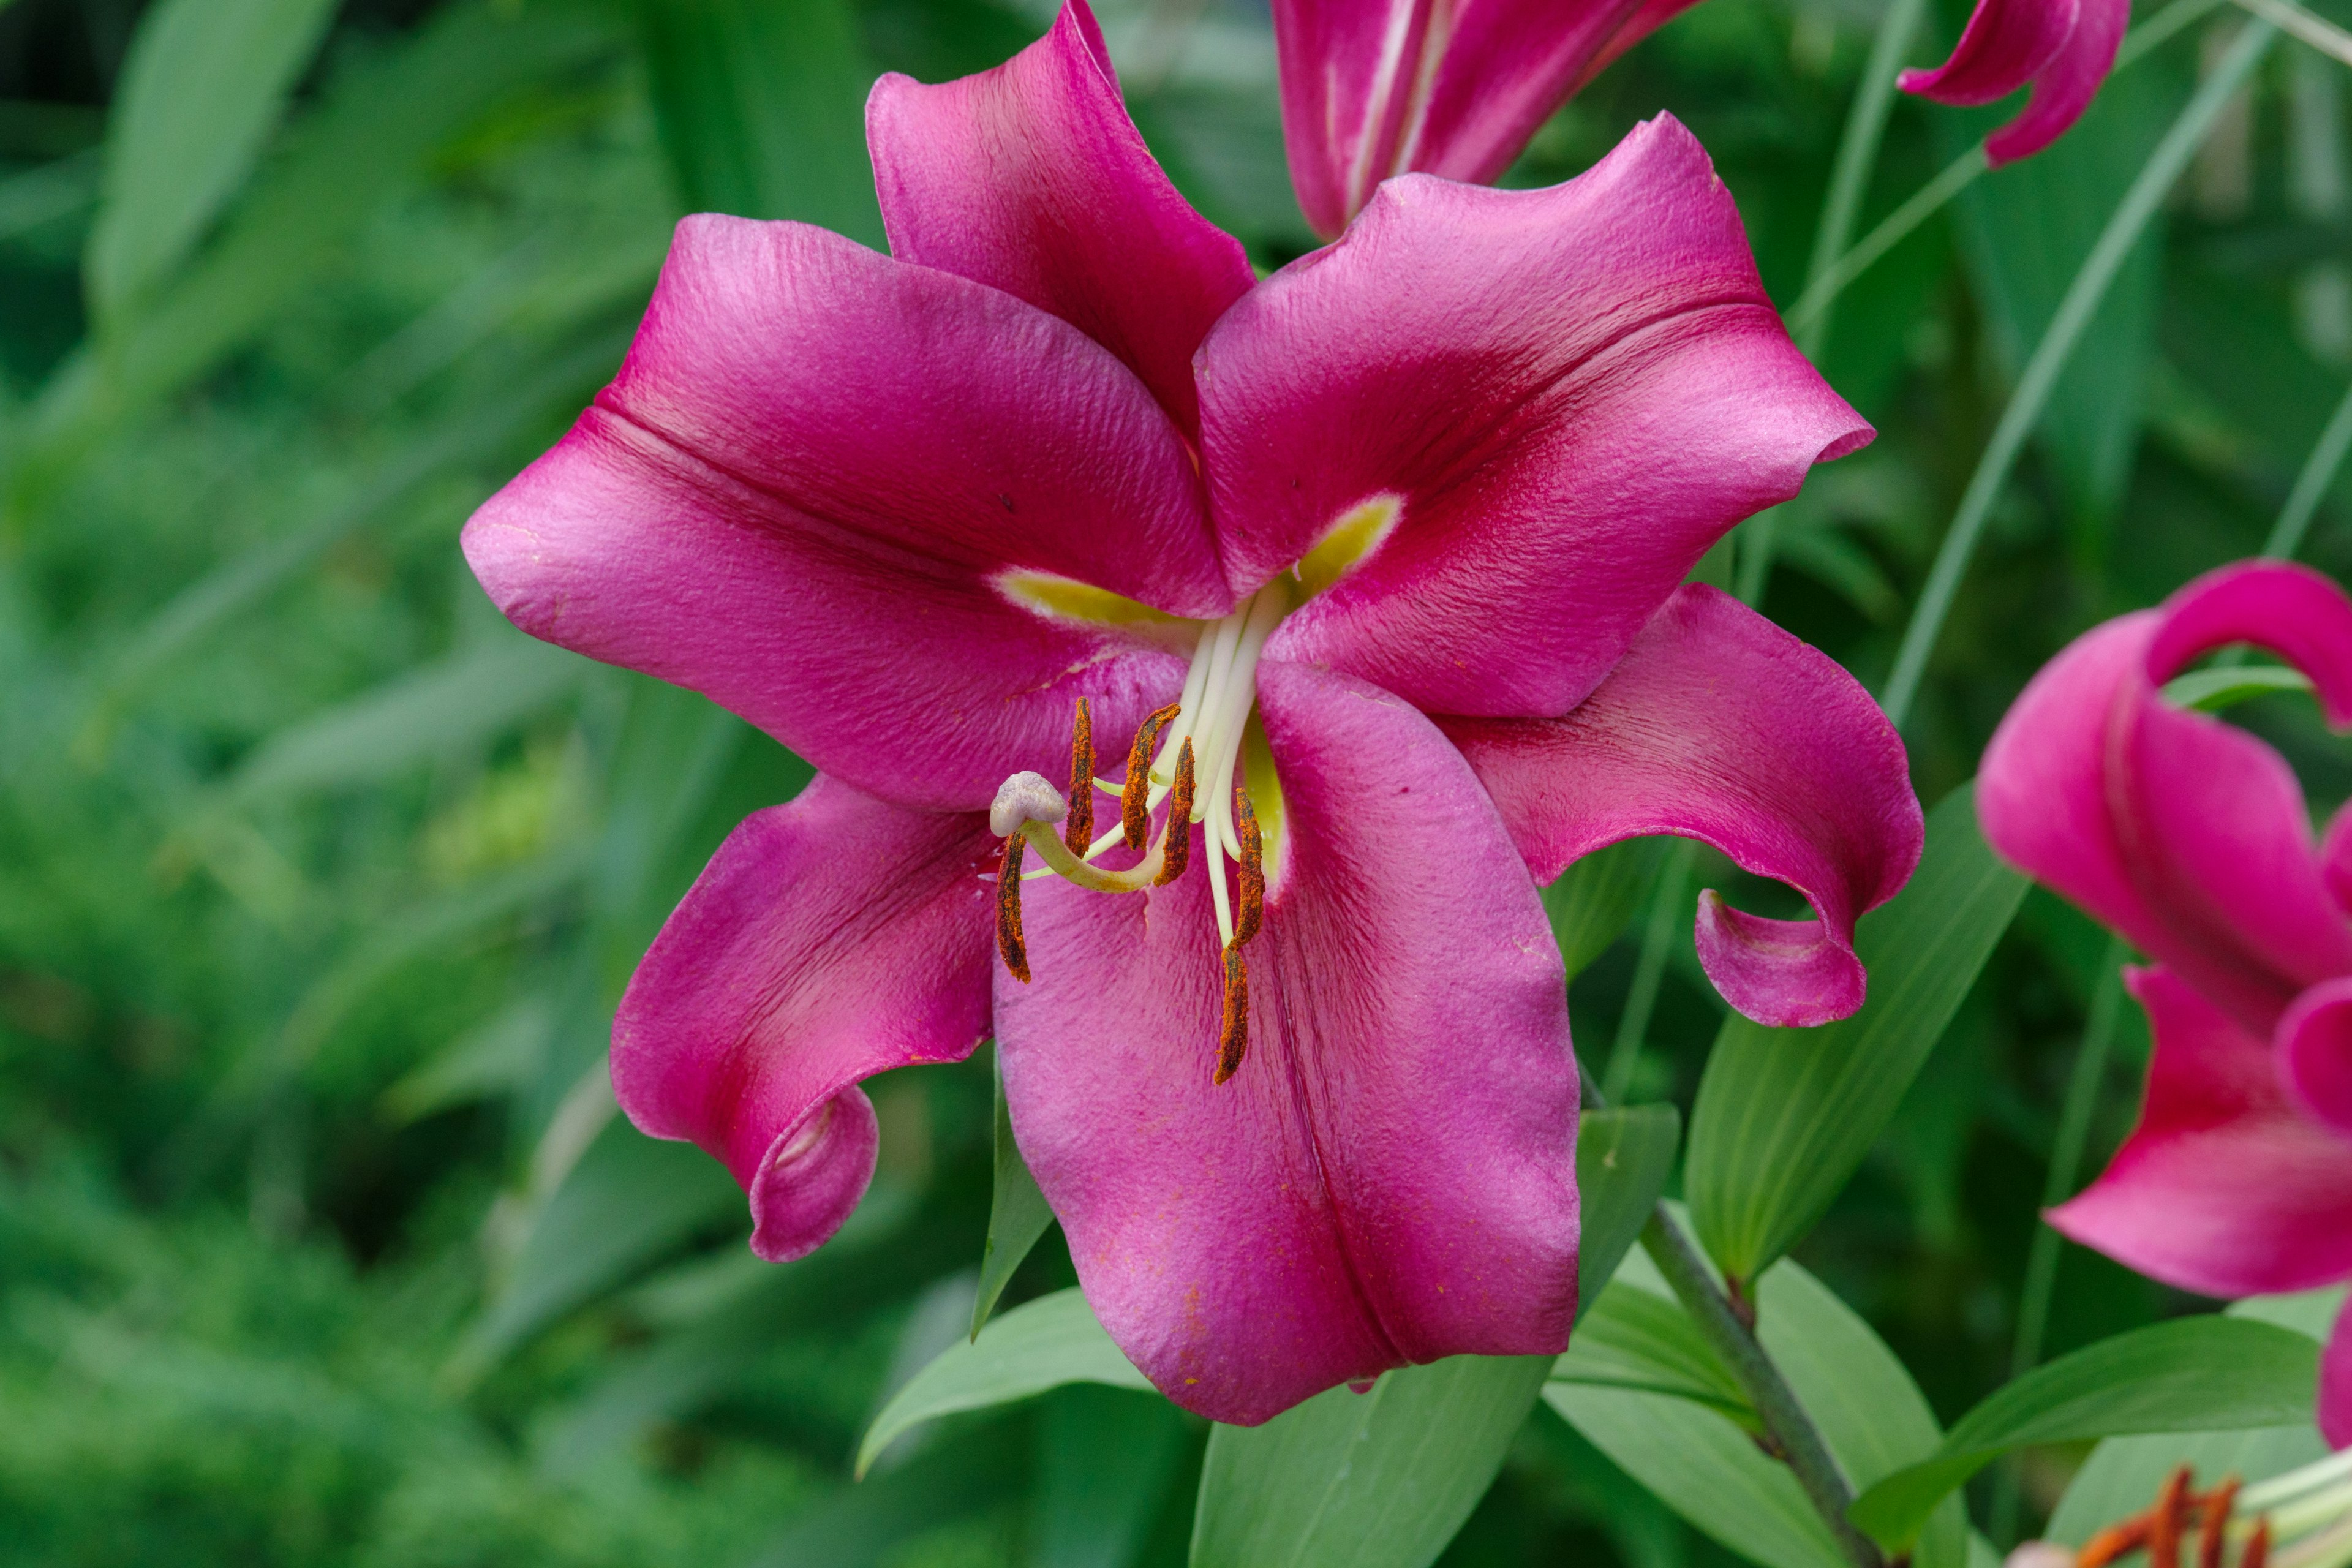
1593 901
1623 1156
762 106
1017 1216
858 1525
2212 691
2194 1374
1785 1116
1641 1383
203 87
1038 1345
1104 1463
1380 1480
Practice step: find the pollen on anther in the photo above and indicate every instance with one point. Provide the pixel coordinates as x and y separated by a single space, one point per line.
2258 1549
1010 942
2218 1503
1233 1031
1078 830
1252 913
1176 837
1135 799
2165 1524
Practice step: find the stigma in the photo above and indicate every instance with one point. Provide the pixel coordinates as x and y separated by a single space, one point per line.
1183 758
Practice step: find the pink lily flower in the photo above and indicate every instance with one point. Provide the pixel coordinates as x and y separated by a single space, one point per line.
2064 47
1377 560
2191 838
1452 87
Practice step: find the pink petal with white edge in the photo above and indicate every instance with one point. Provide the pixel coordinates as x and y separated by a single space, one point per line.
1572 392
1390 1177
2314 1042
1719 726
2224 1187
2336 1383
829 938
1453 87
2005 43
1031 178
2186 834
800 492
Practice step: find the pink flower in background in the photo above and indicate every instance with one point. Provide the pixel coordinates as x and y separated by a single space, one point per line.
1452 87
2192 839
1378 558
2064 47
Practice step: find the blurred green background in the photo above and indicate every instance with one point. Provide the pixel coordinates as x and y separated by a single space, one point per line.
319 1240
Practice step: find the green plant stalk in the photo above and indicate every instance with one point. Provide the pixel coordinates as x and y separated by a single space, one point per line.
1649 973
2318 473
1788 1429
2064 1176
2081 301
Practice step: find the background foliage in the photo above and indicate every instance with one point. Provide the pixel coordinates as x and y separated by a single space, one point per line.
319 1242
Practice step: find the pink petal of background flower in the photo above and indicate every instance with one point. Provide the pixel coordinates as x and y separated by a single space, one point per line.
2066 47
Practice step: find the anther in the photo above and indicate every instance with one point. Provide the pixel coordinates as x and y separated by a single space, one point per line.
1252 912
2211 1539
1232 1032
2258 1549
2165 1526
1010 942
1078 831
1176 838
1135 799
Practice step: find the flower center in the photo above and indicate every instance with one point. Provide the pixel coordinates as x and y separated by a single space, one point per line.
1202 757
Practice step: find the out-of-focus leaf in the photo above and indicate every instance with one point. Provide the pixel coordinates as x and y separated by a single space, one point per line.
863 1522
2025 230
1017 1215
2212 691
1038 1345
1785 1116
1380 1480
449 707
1623 1156
761 108
1593 901
1103 1460
201 88
1642 1385
630 1201
2193 1374
38 195
484 1061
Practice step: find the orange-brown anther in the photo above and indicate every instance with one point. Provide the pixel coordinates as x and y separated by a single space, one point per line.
1135 800
1252 913
1232 1033
2217 1504
2169 1521
2258 1550
1176 838
1010 944
2115 1542
1079 829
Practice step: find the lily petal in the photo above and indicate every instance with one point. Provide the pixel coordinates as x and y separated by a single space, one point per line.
1453 87
2065 88
2336 1383
1390 1177
801 492
1565 395
2186 834
2004 45
829 938
1719 726
1031 178
2315 1040
2224 1187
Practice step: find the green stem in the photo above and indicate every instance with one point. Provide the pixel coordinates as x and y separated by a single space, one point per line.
2319 471
1788 1429
2050 356
1649 972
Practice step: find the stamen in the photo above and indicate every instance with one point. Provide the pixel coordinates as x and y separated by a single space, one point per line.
1080 827
1253 871
1233 1034
2258 1549
1176 839
2166 1525
1010 944
1135 800
2217 1504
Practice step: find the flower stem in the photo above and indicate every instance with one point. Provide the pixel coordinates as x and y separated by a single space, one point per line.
1789 1431
2081 301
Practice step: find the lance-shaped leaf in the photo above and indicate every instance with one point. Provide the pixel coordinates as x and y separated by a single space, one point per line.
2194 1374
1017 1216
1785 1116
1623 1156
